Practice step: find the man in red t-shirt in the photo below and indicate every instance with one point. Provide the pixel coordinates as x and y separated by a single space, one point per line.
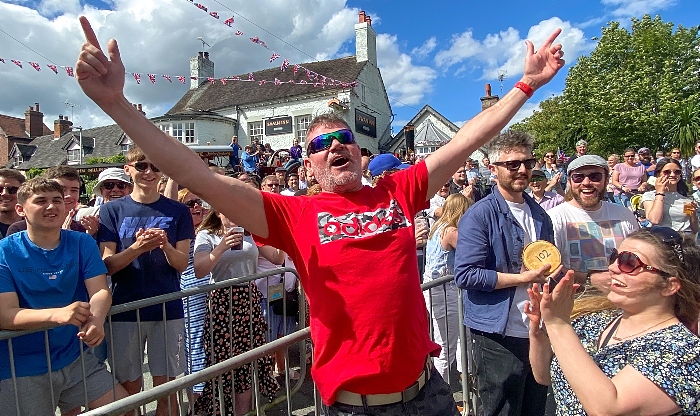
353 245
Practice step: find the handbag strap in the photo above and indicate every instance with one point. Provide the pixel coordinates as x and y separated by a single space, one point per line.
611 332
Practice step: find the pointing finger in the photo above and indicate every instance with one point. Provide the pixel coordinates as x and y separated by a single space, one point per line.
547 43
89 33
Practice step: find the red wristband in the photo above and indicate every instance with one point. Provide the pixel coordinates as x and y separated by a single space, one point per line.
525 88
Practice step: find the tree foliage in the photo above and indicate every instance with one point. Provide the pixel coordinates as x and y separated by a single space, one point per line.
118 158
34 172
629 92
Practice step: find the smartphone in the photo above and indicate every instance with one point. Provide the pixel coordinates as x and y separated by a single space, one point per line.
553 281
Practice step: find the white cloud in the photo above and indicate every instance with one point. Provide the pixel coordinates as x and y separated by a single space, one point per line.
525 111
423 50
636 8
160 37
405 82
505 51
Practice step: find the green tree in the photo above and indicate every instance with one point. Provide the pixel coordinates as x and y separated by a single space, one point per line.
118 158
685 130
34 172
629 91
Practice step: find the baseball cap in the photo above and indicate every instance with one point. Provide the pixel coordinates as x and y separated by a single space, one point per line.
117 174
644 151
383 162
538 172
587 160
581 143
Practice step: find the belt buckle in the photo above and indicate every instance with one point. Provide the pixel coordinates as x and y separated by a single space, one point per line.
410 393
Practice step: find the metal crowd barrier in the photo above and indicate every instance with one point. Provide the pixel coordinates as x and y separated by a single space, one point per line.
213 372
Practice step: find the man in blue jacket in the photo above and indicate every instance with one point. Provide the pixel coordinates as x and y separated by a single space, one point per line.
488 265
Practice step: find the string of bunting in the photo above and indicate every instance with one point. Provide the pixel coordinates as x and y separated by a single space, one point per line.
314 79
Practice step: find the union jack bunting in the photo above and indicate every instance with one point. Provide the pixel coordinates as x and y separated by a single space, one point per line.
16 62
214 15
181 78
262 82
239 33
250 77
201 6
223 81
285 64
255 39
168 78
296 68
236 78
274 56
2 60
152 77
229 21
35 66
277 82
53 67
69 71
211 80
137 77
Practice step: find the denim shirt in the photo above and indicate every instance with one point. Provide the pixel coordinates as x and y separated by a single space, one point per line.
491 240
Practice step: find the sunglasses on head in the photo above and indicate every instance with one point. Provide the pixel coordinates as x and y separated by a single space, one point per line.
515 164
628 262
143 166
324 141
110 185
10 189
192 202
578 177
669 171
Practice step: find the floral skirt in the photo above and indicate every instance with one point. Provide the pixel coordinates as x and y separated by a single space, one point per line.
231 328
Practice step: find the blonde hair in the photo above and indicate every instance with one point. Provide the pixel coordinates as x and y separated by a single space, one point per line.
452 210
181 194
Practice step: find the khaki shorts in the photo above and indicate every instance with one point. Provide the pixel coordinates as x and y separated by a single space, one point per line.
69 390
166 346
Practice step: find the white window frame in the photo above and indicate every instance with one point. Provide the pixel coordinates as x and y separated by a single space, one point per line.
302 125
256 131
74 155
188 136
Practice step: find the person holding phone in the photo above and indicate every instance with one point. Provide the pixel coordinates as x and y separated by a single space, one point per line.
669 204
632 351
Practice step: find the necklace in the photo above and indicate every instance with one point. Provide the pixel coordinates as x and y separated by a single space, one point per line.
616 338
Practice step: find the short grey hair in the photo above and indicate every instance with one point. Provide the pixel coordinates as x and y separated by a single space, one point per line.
508 141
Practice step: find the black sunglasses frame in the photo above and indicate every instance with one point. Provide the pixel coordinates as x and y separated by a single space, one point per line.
192 202
12 190
578 177
110 185
514 165
142 166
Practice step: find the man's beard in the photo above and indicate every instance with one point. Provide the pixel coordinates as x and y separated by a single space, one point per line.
591 201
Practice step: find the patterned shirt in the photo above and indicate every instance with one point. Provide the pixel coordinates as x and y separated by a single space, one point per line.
669 357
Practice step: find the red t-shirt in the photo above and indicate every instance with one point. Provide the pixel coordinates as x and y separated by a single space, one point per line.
356 256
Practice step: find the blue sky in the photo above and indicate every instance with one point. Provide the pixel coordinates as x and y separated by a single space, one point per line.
439 53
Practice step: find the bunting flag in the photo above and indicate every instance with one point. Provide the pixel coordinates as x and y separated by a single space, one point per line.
53 67
200 6
274 56
215 15
193 78
236 78
2 60
16 62
137 77
255 39
211 79
152 77
181 78
250 77
69 70
239 33
35 66
261 82
296 69
223 81
168 78
285 64
277 82
228 22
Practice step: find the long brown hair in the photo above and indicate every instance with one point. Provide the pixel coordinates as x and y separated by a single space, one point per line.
452 210
212 223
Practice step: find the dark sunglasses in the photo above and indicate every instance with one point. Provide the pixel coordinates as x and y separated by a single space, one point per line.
192 202
578 177
110 185
548 156
629 156
696 178
271 185
447 185
10 189
142 166
537 178
515 164
628 262
674 171
324 141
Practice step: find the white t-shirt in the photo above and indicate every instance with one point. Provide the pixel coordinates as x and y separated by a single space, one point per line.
586 238
673 210
695 162
518 322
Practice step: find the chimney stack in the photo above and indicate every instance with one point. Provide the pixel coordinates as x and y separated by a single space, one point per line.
61 126
201 68
488 100
365 40
34 121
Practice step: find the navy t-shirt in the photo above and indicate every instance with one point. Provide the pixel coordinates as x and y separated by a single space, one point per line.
149 274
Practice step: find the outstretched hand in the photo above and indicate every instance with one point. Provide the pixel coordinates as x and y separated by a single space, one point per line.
555 307
101 78
542 65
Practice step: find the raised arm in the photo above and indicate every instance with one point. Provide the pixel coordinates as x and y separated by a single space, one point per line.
102 79
540 68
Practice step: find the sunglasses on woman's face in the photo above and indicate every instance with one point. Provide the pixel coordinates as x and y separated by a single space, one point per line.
143 166
676 172
192 202
578 177
110 185
628 262
324 141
